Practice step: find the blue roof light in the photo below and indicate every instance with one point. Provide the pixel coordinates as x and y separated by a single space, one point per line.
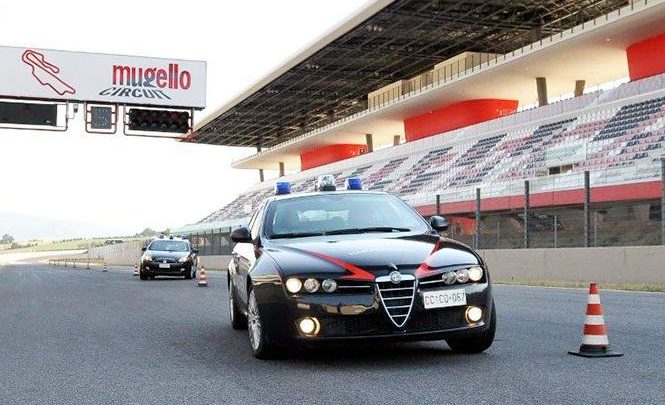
353 183
282 187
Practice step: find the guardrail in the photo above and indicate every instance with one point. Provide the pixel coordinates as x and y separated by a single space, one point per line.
73 262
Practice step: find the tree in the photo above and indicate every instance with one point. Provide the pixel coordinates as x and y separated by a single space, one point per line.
147 232
7 239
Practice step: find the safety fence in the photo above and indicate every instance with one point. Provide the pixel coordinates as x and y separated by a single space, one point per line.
584 213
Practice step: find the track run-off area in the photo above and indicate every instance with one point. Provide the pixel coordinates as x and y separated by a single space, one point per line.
86 336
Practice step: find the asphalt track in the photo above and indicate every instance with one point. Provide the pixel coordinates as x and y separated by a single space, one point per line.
77 336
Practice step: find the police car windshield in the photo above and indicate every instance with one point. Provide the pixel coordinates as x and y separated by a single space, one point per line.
336 214
169 246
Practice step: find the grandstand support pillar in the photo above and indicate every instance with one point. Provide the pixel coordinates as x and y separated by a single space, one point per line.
579 87
541 87
587 211
397 139
281 169
261 177
477 242
662 200
527 206
370 143
438 204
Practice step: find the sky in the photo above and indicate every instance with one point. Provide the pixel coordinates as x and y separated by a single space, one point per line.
125 183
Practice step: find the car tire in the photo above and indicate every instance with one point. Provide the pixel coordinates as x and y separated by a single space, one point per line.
478 343
190 274
142 275
261 348
238 319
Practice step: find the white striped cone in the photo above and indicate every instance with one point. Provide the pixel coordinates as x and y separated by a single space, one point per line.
104 268
136 270
594 340
203 279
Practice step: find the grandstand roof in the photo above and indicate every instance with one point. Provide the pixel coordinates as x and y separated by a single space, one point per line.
594 52
387 41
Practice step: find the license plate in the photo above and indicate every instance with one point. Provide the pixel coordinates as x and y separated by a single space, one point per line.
164 266
444 298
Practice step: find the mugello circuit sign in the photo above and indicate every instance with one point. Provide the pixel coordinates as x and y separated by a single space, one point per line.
80 76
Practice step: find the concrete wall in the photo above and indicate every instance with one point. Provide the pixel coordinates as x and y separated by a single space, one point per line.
215 262
129 253
122 254
643 264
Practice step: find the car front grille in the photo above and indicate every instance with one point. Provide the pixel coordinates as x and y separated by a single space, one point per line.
397 298
164 260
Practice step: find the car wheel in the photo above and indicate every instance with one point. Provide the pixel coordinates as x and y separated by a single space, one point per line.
190 274
257 340
142 275
238 320
478 343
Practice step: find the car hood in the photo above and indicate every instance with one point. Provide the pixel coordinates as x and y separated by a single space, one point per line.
161 254
366 257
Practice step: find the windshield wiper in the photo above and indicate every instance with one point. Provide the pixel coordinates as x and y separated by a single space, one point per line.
295 235
367 230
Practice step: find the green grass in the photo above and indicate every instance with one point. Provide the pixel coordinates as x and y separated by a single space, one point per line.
580 284
66 245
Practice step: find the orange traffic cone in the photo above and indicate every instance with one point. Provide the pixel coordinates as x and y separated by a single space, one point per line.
594 340
136 270
203 279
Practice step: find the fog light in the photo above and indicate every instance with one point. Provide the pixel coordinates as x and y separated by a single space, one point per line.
462 275
293 285
473 314
449 277
309 326
311 285
475 273
329 285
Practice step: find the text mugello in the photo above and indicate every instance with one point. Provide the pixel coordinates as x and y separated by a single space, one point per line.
147 82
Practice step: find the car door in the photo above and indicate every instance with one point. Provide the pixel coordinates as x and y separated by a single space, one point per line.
245 256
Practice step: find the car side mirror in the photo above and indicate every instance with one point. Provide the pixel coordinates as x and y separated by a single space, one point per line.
144 248
195 250
439 223
241 235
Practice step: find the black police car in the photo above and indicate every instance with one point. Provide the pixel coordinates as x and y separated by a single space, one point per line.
355 265
168 257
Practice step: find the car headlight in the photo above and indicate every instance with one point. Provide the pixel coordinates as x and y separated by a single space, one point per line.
147 258
293 285
462 276
183 259
449 277
329 285
311 285
475 273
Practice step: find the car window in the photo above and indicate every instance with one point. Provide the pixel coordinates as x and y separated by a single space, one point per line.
341 212
169 246
256 226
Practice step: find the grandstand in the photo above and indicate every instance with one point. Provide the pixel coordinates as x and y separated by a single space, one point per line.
615 133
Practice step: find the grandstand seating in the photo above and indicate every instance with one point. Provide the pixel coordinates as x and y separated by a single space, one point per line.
618 128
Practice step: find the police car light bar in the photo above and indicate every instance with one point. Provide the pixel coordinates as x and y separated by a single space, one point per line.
353 183
282 187
326 183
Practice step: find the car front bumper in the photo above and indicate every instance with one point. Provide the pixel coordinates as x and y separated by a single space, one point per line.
362 316
175 269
